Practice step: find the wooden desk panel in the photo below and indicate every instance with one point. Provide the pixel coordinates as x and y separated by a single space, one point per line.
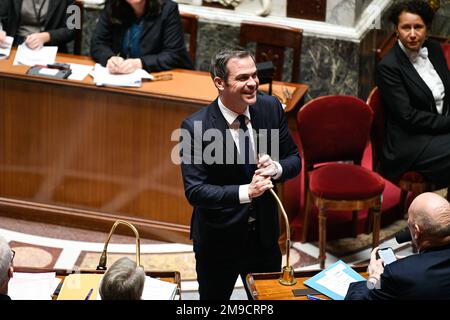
169 276
265 286
81 155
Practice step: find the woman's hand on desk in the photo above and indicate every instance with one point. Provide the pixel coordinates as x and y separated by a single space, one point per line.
36 41
119 65
2 37
114 63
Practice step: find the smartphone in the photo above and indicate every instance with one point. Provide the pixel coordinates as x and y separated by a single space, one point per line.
387 255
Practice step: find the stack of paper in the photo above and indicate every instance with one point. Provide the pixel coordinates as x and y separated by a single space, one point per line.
5 47
32 286
102 77
155 289
29 57
334 280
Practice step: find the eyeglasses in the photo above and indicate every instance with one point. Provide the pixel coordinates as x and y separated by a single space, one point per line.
13 255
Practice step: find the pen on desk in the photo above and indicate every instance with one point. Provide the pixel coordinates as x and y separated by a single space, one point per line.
310 297
89 294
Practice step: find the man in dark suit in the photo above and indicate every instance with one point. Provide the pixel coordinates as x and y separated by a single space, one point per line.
6 267
235 226
414 83
425 275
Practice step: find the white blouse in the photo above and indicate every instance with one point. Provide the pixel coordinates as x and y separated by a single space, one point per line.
428 74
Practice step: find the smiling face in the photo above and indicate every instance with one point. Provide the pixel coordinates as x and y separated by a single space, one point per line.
411 30
239 90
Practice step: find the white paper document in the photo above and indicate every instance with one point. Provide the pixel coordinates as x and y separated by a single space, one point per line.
334 280
29 57
32 286
155 289
79 71
5 47
102 77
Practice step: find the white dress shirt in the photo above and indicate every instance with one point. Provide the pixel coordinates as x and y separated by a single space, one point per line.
231 118
426 71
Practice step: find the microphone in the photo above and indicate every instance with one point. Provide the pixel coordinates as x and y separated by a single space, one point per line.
103 257
287 277
403 235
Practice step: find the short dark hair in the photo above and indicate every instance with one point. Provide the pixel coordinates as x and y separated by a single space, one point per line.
220 60
419 7
120 12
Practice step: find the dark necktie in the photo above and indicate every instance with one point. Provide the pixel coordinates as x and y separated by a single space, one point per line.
245 148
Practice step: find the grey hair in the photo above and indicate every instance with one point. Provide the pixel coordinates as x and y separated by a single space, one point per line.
5 260
219 61
123 281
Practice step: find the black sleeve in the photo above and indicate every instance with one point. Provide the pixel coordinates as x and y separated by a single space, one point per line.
101 43
173 53
62 34
198 191
396 100
4 6
289 156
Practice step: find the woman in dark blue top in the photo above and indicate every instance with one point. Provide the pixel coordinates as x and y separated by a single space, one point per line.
133 34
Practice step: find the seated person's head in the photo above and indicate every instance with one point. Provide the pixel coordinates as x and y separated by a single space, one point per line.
6 265
123 281
429 221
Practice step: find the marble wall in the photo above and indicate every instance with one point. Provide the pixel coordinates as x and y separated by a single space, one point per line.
341 12
328 66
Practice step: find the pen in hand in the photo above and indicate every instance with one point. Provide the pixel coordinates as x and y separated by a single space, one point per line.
89 294
310 297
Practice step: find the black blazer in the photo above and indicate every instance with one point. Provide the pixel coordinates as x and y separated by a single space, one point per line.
55 22
162 40
219 224
411 115
4 297
421 276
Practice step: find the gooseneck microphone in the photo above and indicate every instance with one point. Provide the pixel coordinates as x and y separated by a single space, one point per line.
403 235
287 277
103 257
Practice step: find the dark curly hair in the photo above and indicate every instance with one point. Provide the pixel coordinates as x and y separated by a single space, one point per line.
419 7
121 13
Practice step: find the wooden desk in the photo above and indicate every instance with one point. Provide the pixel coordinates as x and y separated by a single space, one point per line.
169 276
265 286
80 155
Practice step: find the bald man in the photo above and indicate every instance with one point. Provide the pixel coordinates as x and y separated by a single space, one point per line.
6 268
425 275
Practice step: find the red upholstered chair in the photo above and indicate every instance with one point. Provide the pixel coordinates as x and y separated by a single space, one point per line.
410 181
446 49
333 129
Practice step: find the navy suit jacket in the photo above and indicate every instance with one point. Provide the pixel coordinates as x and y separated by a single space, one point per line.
55 22
219 224
411 115
162 40
421 276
